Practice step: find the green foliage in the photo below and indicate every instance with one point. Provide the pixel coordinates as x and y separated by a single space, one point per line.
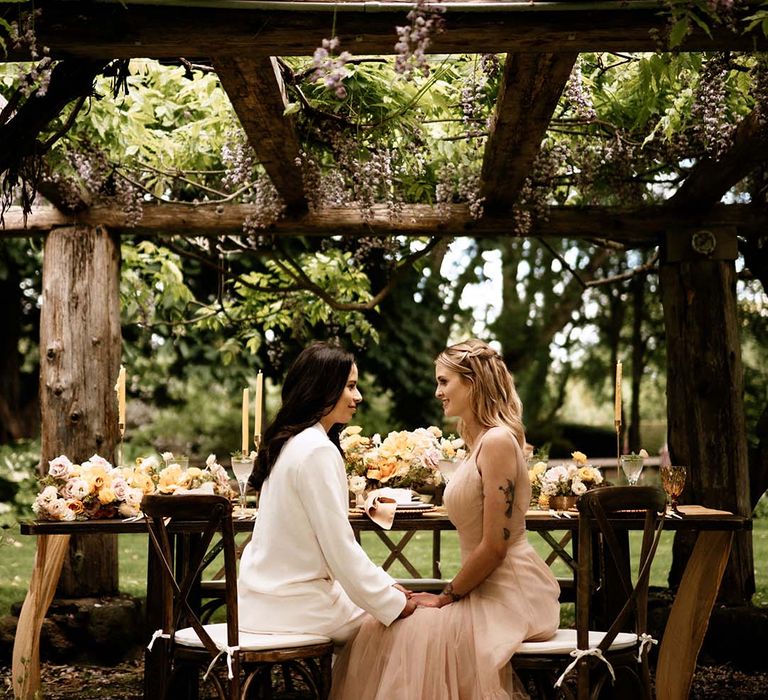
761 509
18 481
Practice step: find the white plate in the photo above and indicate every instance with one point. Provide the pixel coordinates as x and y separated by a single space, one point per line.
416 505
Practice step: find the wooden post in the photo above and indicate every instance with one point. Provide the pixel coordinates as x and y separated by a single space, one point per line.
705 402
80 346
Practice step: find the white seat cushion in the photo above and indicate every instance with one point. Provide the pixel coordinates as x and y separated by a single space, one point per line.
564 642
248 641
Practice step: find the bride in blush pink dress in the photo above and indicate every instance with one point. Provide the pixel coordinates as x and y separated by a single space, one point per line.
458 645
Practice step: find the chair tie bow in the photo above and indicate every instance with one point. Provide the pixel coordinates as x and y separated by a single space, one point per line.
645 641
578 654
155 635
230 652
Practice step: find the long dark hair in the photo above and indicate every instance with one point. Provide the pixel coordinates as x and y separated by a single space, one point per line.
312 387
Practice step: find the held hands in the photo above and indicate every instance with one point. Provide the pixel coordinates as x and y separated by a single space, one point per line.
429 600
422 600
410 606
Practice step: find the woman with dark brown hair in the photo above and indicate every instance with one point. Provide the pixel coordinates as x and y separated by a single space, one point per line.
303 571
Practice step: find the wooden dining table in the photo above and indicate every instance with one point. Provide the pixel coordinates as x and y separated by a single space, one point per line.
685 628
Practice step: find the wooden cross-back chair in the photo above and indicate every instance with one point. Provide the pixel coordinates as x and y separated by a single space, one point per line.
595 656
236 664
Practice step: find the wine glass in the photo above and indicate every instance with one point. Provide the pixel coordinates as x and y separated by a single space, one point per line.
632 466
673 480
242 467
448 468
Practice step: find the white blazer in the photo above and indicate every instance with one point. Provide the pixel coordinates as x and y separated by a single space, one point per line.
303 571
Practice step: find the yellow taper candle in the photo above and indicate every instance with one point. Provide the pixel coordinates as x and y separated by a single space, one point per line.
257 406
246 437
120 389
617 404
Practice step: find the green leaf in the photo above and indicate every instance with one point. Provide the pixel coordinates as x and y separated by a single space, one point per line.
678 32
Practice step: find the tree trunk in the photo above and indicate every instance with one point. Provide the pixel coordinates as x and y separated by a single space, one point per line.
705 409
80 346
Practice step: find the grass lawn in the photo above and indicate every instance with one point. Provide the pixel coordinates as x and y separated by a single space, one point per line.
18 552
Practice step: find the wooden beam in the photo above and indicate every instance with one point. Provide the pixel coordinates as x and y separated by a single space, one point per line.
528 95
709 179
113 30
632 226
256 90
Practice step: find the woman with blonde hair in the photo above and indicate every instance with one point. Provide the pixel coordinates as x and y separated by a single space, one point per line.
458 645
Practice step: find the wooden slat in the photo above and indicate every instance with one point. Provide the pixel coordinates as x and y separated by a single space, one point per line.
257 93
114 30
710 179
646 225
689 617
528 95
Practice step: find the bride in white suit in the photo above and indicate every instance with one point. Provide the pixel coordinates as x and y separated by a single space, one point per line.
303 571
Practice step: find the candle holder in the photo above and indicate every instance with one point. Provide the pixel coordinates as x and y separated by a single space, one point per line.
120 447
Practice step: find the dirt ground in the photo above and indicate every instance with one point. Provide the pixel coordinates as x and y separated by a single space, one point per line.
123 682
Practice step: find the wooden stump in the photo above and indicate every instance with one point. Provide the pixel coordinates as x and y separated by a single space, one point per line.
705 409
80 348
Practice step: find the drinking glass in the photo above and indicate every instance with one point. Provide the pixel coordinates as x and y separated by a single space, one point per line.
448 468
242 467
673 480
632 466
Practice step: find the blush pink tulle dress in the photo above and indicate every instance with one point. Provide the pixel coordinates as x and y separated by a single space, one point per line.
463 650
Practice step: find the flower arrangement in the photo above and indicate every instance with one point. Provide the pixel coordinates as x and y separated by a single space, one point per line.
403 459
571 479
96 489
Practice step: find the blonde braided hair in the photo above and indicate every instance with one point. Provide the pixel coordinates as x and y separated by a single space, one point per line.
493 397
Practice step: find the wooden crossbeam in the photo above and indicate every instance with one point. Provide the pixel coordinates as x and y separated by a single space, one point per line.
528 95
644 226
124 30
256 90
709 179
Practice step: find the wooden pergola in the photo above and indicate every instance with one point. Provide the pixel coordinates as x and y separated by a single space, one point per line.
541 40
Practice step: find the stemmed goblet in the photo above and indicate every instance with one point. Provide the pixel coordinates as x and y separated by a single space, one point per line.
632 465
242 466
448 468
673 481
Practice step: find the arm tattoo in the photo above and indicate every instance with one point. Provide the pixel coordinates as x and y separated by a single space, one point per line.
509 497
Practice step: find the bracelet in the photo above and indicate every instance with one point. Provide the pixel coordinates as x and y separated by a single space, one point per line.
448 590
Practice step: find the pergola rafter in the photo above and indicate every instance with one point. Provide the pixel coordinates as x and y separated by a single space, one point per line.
256 90
709 180
530 89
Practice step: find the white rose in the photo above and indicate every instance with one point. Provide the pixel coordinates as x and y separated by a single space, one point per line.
76 488
210 460
59 510
99 461
128 511
48 495
120 487
578 487
60 467
167 456
148 463
133 497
